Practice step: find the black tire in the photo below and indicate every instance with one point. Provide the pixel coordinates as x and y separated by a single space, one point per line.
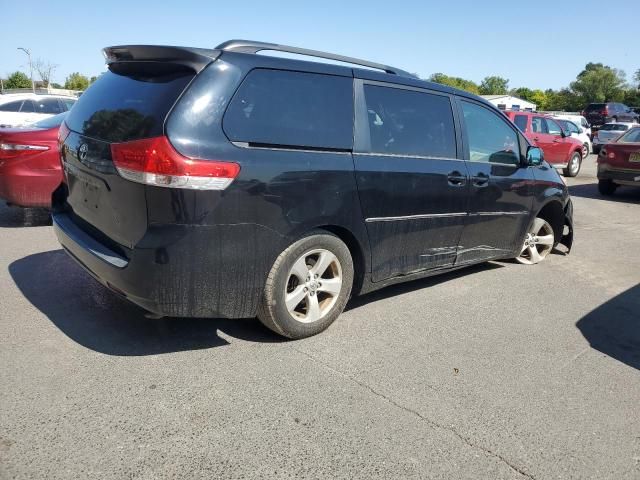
606 187
273 312
575 163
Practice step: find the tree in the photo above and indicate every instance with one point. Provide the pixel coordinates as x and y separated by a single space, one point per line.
76 81
599 83
636 77
18 80
56 85
494 85
45 70
455 82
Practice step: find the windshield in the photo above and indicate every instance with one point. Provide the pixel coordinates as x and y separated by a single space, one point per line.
618 127
50 122
632 136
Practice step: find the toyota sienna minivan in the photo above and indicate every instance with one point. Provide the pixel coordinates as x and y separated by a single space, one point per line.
226 183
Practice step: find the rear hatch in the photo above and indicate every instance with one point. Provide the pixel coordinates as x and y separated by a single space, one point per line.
596 113
129 102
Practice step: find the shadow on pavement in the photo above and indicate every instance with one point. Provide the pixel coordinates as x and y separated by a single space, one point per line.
590 190
614 327
17 217
100 320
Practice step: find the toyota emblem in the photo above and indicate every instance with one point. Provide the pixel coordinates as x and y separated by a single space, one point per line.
82 151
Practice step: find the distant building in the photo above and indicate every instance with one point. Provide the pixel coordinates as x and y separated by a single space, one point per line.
508 102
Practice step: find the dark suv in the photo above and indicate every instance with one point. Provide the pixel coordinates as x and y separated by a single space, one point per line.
221 183
597 114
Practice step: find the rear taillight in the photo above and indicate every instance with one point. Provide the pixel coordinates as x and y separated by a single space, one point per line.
63 133
12 150
604 111
610 155
154 161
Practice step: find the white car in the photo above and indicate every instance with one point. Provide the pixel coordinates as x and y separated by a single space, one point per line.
579 120
579 133
609 132
17 109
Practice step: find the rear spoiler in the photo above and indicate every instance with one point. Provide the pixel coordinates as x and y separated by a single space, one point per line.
193 58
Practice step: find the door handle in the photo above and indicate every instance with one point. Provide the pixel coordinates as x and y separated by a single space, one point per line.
481 180
536 138
456 179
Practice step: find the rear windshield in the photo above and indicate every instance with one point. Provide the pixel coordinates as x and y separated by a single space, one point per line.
123 107
632 136
595 106
618 127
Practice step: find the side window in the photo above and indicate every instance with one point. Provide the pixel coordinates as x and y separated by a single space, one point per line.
406 122
48 105
282 108
490 138
28 107
538 125
521 122
584 123
11 106
552 127
573 128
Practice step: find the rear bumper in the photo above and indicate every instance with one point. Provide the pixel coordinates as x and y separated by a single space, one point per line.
179 271
619 176
25 187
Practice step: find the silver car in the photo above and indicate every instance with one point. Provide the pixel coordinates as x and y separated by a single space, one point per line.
609 132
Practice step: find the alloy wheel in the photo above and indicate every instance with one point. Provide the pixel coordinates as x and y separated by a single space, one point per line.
538 242
313 285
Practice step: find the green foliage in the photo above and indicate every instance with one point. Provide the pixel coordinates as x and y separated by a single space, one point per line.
56 85
76 81
494 86
636 78
17 80
599 83
455 82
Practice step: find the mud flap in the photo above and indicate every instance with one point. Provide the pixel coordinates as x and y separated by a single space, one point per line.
567 238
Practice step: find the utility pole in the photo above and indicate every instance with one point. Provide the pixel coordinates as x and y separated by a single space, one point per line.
33 85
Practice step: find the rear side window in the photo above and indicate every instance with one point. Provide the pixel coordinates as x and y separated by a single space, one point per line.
521 122
119 107
490 137
296 109
405 122
538 125
11 106
632 136
552 127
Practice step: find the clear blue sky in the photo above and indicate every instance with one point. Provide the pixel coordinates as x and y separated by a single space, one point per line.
539 44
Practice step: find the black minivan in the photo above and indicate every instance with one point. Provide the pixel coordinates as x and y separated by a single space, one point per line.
227 183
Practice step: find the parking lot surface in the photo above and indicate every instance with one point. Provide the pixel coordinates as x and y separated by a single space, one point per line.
496 371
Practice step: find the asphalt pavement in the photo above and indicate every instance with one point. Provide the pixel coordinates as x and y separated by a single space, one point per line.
497 371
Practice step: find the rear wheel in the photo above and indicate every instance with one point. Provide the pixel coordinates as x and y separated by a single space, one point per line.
574 165
308 286
606 187
538 242
585 150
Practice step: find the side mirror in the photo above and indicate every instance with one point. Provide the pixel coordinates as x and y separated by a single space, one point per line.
535 156
565 133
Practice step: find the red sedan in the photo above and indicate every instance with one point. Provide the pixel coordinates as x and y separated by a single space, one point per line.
29 163
619 162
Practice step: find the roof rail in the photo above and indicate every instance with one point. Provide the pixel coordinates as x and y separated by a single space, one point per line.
250 46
